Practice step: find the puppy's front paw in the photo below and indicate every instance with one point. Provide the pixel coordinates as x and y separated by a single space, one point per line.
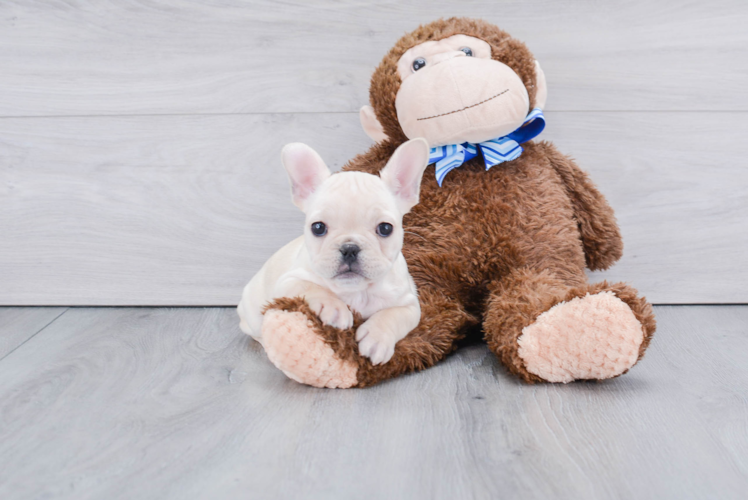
377 344
332 311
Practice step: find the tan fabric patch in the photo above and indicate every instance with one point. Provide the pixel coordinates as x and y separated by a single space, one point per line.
591 337
292 345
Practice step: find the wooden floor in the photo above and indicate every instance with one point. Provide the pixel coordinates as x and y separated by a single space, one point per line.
177 403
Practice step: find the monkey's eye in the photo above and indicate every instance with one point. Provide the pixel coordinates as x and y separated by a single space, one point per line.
468 52
319 229
384 229
419 63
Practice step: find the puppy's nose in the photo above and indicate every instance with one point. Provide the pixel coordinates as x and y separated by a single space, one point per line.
349 252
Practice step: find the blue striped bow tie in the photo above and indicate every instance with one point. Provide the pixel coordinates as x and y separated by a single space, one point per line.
495 151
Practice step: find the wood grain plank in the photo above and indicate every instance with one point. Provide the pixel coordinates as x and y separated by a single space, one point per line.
704 353
182 56
676 182
18 324
182 210
177 403
98 211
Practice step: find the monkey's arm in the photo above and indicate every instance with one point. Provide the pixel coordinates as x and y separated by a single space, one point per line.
601 237
328 306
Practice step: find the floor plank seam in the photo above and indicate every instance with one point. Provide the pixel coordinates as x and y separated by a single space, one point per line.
35 334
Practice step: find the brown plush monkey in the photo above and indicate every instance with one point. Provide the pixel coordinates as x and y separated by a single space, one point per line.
500 248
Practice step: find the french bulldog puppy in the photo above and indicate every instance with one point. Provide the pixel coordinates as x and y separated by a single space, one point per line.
349 257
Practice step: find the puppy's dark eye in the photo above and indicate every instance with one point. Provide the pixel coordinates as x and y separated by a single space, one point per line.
319 229
384 229
468 52
419 63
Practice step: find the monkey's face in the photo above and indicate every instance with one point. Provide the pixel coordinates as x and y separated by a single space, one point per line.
453 92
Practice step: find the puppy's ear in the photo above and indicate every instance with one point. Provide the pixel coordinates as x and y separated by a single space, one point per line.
404 171
306 171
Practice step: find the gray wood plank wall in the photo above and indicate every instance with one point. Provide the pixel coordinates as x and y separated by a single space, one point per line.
139 141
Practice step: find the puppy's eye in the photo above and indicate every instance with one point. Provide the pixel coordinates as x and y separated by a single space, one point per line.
419 63
384 229
468 52
319 229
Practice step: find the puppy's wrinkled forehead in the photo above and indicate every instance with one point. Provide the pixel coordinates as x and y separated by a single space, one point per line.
352 196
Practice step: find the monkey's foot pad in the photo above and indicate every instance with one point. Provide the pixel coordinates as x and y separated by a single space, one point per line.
292 345
591 337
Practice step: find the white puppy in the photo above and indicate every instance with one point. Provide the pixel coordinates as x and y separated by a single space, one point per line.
350 254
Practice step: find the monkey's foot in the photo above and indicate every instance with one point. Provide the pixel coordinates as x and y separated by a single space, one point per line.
591 337
296 348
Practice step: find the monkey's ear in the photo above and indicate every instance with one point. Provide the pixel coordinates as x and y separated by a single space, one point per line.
404 171
541 91
306 171
371 125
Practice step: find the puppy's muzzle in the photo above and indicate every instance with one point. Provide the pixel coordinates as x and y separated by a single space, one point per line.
349 253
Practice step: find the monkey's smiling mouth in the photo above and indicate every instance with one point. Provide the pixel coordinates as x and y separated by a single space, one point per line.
466 107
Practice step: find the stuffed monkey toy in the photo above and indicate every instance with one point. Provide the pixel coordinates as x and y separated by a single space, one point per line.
499 242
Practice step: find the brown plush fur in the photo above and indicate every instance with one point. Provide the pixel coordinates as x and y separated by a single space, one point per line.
420 349
491 249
